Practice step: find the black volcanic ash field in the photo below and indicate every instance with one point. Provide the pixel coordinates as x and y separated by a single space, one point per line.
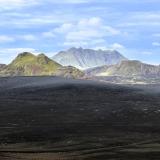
54 118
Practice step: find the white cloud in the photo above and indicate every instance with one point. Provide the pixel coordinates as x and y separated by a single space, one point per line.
157 44
143 18
82 43
11 4
75 44
117 46
64 28
14 4
102 1
35 20
114 46
48 34
91 22
69 1
15 50
83 35
85 32
6 39
28 37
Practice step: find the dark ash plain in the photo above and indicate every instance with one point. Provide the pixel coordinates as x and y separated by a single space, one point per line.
51 118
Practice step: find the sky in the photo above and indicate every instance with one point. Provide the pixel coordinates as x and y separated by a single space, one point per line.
47 26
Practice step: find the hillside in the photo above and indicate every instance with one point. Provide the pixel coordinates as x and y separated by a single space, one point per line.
69 72
2 66
27 64
88 58
127 69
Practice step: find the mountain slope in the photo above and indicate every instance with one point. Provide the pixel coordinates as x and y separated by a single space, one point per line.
27 64
69 72
2 66
87 58
126 69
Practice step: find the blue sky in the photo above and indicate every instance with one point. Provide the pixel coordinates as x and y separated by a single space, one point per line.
129 26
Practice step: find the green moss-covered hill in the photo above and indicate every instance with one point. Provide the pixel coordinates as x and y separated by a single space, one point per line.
28 64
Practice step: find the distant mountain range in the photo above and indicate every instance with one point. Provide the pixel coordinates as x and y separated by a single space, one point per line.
117 68
27 64
88 58
126 72
126 68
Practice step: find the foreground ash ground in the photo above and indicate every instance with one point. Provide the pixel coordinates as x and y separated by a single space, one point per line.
51 118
